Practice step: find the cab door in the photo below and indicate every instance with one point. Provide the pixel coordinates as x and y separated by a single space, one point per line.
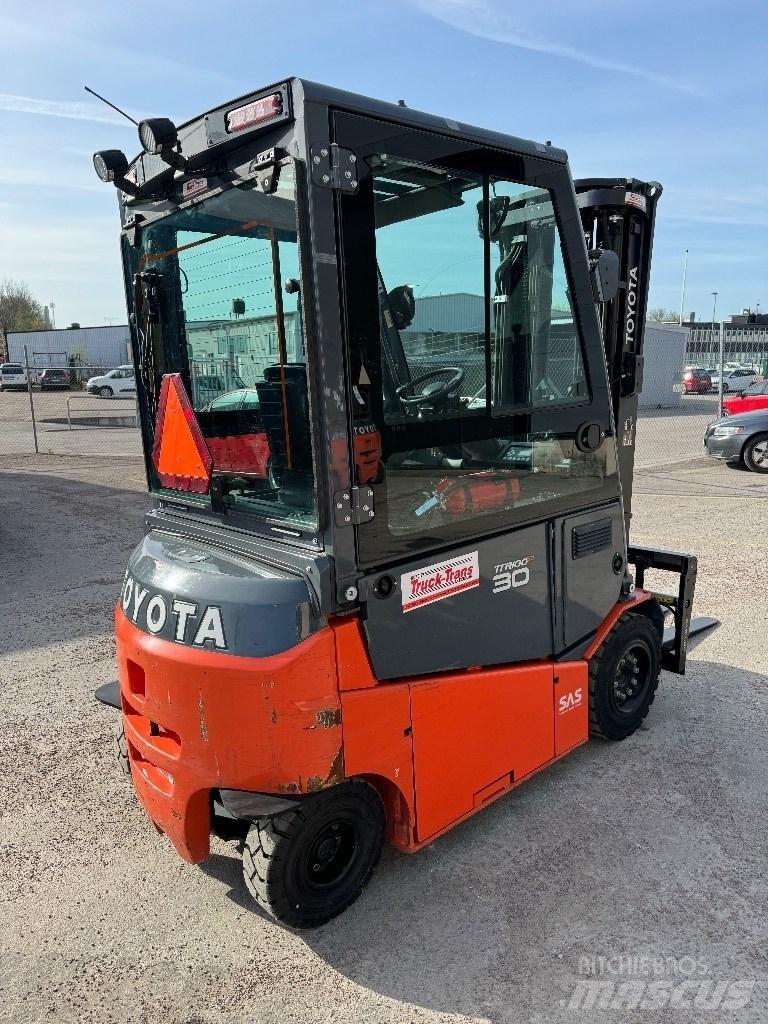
475 363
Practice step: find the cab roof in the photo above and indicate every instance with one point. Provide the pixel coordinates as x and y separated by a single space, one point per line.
303 92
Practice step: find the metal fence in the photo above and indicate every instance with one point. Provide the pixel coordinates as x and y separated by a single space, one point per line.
677 404
53 412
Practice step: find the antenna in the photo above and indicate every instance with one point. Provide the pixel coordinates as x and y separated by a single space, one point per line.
127 116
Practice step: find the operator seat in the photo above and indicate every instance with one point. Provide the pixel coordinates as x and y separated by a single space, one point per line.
291 457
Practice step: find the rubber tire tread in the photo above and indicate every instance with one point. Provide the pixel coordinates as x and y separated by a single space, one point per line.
268 844
628 626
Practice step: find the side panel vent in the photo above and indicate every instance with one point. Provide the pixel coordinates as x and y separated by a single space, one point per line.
591 537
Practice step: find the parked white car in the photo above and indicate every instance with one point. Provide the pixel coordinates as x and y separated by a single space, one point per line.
12 375
735 380
117 382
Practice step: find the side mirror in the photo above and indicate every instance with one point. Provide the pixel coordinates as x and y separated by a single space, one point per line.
402 305
498 208
604 271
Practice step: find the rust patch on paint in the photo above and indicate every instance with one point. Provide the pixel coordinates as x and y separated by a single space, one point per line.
201 718
274 716
288 787
333 778
328 718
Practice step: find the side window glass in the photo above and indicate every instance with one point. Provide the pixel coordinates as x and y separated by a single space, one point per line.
431 286
536 350
477 336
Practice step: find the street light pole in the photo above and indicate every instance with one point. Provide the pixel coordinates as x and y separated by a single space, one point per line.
722 356
682 294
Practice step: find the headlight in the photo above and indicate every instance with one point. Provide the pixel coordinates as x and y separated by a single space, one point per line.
727 431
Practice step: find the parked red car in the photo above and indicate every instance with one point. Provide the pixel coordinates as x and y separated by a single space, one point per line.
696 380
755 397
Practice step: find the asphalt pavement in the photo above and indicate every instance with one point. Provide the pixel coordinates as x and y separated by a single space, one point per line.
641 863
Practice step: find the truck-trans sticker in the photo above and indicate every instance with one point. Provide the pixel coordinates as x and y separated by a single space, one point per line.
151 613
509 575
439 580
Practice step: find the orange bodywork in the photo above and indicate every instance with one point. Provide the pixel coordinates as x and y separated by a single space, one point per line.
437 748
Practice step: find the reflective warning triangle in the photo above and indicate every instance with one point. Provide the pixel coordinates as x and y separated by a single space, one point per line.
180 455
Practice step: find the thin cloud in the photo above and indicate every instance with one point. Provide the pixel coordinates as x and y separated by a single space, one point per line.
60 108
477 18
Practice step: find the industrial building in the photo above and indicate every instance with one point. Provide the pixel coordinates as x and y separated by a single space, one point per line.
97 348
225 354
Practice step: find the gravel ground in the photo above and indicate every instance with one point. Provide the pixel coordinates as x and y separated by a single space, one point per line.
654 848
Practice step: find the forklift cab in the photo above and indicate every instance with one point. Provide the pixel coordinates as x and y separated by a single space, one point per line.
409 302
396 530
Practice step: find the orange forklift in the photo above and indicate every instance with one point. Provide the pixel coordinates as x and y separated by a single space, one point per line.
387 371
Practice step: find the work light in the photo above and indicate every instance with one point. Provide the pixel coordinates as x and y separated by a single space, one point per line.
157 135
110 164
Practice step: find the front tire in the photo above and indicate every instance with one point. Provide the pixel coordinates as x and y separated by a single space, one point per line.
106 392
623 677
755 454
306 866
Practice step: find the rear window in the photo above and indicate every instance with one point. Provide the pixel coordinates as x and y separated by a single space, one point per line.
11 370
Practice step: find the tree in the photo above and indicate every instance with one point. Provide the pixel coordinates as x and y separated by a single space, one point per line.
19 309
663 316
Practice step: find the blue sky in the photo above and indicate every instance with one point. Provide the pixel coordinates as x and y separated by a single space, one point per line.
672 90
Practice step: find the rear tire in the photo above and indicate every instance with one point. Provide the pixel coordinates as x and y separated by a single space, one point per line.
623 677
755 454
306 866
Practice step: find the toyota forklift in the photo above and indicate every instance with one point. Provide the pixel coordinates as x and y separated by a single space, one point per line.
387 371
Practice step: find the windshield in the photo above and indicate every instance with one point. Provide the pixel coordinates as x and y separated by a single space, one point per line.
217 300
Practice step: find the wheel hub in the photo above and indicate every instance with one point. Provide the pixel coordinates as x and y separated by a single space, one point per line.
331 853
631 678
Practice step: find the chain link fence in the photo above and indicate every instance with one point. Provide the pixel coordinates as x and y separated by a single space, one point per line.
52 409
71 409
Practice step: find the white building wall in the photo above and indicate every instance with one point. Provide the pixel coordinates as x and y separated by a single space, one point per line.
103 347
664 352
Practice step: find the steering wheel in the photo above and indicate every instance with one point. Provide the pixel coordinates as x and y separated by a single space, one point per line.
432 392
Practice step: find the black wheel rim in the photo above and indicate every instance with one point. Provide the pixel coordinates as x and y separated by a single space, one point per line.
331 854
632 678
